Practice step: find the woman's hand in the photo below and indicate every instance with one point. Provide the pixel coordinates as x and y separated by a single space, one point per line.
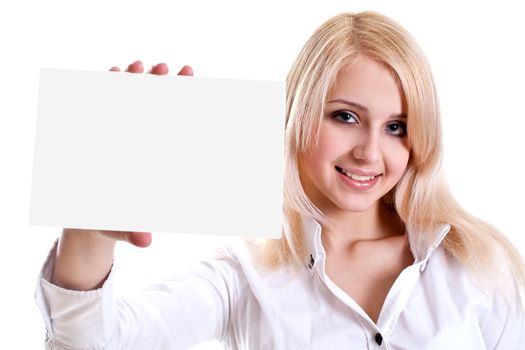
84 257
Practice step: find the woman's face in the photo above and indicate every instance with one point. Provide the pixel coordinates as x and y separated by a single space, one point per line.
363 150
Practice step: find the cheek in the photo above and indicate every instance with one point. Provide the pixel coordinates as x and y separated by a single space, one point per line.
317 163
312 162
398 159
333 143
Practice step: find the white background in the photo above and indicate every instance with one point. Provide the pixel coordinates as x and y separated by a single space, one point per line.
476 52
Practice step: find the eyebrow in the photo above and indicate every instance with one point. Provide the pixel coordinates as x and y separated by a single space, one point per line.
364 108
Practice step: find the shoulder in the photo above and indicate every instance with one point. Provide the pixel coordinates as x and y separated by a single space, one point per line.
449 276
244 257
444 269
237 264
446 282
450 287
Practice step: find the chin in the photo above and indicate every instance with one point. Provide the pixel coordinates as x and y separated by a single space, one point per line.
355 206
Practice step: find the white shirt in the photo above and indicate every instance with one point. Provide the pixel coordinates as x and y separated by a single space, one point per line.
433 304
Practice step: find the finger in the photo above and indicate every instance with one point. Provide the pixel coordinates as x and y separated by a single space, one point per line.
136 67
160 69
114 69
186 70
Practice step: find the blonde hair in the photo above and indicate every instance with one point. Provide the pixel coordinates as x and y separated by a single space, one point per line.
421 198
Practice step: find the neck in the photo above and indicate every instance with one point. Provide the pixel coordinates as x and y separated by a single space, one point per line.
345 228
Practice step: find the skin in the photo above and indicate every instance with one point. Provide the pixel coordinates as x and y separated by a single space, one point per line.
84 257
365 245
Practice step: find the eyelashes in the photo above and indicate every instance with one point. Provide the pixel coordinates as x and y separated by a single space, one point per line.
346 117
395 128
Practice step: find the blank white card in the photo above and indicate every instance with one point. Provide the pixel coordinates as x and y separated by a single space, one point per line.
139 152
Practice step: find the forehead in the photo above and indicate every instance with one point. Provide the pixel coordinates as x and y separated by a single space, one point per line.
369 83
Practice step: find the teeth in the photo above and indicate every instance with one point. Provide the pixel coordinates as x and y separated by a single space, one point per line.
356 177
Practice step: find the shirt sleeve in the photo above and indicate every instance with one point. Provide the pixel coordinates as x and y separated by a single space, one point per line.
175 313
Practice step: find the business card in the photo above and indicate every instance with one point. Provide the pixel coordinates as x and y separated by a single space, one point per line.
140 152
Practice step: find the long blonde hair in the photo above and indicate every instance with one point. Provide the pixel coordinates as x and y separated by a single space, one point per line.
421 198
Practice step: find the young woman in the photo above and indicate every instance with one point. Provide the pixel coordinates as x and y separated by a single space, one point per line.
375 252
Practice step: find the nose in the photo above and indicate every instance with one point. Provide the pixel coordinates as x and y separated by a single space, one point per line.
367 149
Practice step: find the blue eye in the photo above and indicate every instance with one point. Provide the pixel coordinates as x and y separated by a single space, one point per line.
397 129
346 117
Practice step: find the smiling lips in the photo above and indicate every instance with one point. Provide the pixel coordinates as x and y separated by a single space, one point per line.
357 182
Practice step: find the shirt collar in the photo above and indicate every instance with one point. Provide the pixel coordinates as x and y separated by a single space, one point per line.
421 244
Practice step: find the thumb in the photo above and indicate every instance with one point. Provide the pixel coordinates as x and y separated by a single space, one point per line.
140 239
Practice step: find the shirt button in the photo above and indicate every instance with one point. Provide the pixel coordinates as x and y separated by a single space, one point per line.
379 339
